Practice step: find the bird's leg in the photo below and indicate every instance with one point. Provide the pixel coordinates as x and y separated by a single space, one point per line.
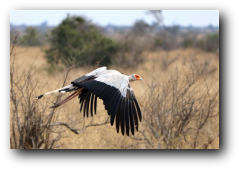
76 93
65 100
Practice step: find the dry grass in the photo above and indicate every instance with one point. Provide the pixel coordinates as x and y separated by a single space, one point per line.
158 71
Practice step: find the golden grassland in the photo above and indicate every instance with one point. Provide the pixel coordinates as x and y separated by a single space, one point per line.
157 68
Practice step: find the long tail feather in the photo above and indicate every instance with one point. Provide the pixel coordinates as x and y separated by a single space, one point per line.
63 90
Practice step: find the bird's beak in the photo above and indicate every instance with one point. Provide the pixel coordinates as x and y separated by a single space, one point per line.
140 78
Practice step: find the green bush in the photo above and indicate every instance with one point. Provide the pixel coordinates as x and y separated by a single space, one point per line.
30 37
77 37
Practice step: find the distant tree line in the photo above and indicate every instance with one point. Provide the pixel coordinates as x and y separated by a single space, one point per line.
89 44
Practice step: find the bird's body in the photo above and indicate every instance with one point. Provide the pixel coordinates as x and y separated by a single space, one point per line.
113 88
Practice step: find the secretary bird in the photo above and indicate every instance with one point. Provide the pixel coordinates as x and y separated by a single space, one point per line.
114 89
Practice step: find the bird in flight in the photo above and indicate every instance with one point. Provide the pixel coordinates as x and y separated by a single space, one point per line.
114 89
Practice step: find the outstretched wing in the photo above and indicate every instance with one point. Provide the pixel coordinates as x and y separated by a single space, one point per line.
117 95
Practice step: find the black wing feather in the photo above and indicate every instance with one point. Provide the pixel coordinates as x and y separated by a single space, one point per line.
91 104
135 116
95 104
123 107
127 116
107 93
113 109
118 114
110 103
138 109
131 117
82 96
124 110
87 103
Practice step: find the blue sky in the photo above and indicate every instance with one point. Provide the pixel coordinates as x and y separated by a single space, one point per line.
116 17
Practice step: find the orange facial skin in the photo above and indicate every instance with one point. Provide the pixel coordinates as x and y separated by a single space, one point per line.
137 77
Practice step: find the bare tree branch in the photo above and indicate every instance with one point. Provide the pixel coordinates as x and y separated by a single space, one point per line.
77 130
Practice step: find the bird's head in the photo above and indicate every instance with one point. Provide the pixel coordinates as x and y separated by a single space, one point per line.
134 77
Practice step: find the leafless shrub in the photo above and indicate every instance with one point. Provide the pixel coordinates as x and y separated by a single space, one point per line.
181 111
166 62
33 124
27 116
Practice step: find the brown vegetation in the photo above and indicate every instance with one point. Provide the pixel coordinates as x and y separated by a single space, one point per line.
179 98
